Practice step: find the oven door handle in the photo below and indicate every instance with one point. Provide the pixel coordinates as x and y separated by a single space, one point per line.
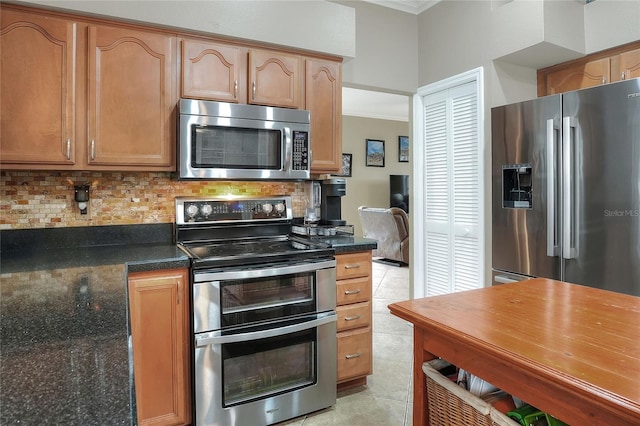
264 272
215 338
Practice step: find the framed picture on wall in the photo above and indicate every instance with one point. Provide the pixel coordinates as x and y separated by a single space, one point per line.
375 153
345 169
403 149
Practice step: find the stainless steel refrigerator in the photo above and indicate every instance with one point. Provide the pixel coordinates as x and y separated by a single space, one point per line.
566 188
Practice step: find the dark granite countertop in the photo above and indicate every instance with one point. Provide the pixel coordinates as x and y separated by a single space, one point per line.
64 356
349 243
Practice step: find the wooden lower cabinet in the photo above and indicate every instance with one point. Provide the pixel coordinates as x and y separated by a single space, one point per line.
355 340
159 306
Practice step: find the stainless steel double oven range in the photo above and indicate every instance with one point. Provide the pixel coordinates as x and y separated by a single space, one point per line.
263 303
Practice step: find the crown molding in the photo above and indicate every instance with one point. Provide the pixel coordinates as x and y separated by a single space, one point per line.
415 7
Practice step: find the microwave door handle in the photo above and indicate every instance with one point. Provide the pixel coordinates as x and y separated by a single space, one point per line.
263 334
288 147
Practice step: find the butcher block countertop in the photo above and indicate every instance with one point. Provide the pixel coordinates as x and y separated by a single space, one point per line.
569 350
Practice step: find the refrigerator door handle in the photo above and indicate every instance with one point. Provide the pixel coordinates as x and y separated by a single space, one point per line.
552 243
568 129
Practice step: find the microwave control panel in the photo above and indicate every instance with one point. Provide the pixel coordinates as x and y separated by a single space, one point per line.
300 160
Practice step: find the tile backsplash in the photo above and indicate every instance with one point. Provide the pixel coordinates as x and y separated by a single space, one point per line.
45 199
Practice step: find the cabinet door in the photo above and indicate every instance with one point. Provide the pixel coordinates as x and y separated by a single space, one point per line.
625 65
579 76
131 99
214 71
323 97
37 67
274 79
160 334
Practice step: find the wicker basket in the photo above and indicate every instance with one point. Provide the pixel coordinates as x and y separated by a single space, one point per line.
451 405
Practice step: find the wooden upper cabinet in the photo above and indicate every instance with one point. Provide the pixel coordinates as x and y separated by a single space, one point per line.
37 109
579 76
625 65
275 79
323 97
619 63
214 71
131 98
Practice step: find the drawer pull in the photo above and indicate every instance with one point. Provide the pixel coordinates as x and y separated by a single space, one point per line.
351 356
355 317
356 266
356 291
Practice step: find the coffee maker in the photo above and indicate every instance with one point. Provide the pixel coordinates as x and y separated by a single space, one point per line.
332 191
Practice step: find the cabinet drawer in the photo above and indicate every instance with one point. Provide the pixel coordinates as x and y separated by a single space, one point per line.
353 291
354 353
352 265
354 316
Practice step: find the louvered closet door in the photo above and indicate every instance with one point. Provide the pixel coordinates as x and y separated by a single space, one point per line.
451 191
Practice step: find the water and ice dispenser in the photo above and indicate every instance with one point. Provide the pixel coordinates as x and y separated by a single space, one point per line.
516 186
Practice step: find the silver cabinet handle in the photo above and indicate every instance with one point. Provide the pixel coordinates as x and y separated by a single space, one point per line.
356 291
355 317
253 90
235 89
604 80
68 149
351 356
622 75
356 266
93 149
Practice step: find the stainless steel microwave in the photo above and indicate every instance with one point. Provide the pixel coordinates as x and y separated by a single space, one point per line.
219 140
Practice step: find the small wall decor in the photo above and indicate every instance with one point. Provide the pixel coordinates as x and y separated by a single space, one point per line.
345 169
403 149
375 153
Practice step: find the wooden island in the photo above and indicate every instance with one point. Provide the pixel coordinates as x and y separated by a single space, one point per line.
569 350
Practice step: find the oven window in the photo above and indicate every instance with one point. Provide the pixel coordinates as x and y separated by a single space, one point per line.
261 368
260 299
236 148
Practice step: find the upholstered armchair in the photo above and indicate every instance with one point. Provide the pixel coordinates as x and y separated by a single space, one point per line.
390 227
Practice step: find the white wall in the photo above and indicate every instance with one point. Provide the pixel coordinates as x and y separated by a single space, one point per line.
386 49
313 25
610 23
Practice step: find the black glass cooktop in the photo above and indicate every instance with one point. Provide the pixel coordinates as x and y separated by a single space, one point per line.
254 251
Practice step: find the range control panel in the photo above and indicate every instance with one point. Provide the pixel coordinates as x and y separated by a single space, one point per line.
213 210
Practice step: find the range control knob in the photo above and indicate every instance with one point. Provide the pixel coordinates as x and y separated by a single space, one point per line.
191 210
206 210
280 208
267 208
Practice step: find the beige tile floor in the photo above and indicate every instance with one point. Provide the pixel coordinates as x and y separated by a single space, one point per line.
387 398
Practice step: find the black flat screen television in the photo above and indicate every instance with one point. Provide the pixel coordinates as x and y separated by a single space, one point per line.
399 192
